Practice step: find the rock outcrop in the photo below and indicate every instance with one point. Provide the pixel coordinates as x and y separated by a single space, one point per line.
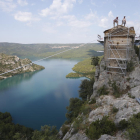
126 104
126 108
8 63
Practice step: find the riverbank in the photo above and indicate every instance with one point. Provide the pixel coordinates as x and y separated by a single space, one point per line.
83 69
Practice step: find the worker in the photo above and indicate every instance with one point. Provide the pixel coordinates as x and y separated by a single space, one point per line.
115 21
124 21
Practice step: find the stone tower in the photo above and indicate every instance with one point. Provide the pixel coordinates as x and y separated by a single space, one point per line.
118 48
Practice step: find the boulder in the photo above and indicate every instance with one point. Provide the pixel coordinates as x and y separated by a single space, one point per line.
135 91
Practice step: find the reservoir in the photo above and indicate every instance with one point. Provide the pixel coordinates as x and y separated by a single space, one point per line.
40 98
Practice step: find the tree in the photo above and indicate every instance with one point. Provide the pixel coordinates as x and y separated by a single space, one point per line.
95 60
86 88
73 109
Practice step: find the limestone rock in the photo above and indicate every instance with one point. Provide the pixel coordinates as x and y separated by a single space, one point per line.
135 77
107 137
135 91
126 108
99 113
8 63
119 136
79 136
103 80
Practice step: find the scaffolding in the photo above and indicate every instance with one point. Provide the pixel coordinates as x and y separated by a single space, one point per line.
118 54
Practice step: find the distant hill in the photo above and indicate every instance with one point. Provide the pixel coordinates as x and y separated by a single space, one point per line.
34 51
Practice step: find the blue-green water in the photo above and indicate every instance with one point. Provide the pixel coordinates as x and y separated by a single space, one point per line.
40 98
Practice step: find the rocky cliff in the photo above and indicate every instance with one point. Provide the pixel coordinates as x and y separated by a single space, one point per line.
121 93
8 63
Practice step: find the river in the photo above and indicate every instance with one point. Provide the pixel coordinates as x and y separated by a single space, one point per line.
40 98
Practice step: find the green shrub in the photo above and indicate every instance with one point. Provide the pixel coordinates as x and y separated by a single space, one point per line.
114 110
103 90
85 109
86 89
73 109
46 133
116 90
95 60
64 129
130 66
123 124
128 79
93 101
133 128
78 125
100 127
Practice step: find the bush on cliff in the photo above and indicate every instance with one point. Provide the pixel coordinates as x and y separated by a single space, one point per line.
116 90
95 60
100 127
103 90
130 66
46 133
133 128
86 89
73 109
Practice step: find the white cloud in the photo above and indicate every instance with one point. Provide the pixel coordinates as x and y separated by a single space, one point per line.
25 16
91 16
103 22
7 5
58 7
106 22
22 2
79 23
110 14
74 22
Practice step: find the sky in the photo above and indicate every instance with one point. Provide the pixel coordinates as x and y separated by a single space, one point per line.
63 21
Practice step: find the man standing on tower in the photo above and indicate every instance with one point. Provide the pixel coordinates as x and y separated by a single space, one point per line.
115 21
124 21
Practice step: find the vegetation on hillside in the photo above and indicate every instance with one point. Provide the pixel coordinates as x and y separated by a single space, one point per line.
100 127
34 51
84 68
11 131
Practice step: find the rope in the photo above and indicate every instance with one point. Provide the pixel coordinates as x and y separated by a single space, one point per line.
44 58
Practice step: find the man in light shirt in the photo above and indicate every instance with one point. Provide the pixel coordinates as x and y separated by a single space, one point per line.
124 21
115 21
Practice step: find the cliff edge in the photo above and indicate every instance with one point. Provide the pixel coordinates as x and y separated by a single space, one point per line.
115 97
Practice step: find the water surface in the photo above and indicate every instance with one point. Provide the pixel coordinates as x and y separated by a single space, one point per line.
38 98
